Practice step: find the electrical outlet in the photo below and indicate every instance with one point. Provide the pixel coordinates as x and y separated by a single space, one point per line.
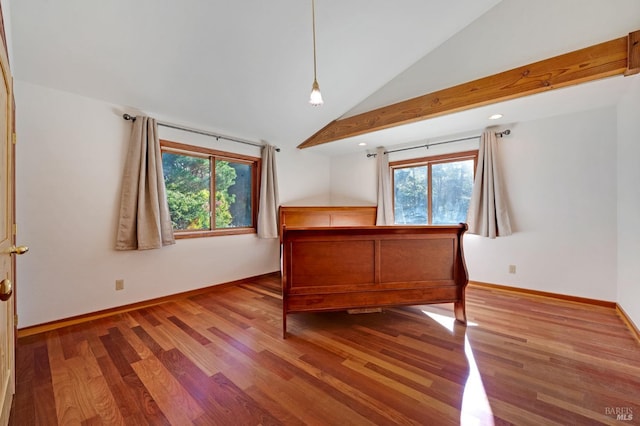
512 269
119 284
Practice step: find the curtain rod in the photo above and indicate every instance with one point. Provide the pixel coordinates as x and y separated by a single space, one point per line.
200 132
499 134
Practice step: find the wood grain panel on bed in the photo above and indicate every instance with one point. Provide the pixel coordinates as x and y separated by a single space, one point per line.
312 216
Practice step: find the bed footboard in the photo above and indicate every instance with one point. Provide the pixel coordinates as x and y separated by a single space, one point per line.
332 269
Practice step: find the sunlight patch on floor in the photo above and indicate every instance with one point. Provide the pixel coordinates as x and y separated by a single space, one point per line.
475 408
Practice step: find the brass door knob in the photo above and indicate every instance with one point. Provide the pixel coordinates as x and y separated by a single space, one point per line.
18 250
6 289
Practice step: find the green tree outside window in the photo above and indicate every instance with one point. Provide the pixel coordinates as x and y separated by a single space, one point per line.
188 186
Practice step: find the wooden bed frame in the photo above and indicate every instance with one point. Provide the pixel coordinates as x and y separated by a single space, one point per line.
355 267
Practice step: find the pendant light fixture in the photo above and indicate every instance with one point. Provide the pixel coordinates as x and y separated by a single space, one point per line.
316 97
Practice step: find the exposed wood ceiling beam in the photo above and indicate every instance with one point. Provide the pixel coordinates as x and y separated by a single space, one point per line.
615 57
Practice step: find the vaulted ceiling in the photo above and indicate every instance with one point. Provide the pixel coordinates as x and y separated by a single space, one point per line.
245 68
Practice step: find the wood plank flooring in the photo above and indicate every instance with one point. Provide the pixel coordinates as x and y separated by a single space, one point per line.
219 359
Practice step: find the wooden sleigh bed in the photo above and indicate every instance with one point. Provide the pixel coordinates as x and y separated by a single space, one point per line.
335 259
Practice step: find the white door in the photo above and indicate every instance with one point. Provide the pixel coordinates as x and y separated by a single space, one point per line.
7 240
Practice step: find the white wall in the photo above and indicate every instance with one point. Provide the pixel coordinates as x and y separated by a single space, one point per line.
303 178
353 180
70 155
629 203
561 188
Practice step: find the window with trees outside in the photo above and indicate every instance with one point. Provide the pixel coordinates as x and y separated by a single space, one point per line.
433 190
209 192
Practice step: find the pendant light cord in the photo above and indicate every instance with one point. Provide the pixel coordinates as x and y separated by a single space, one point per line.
313 18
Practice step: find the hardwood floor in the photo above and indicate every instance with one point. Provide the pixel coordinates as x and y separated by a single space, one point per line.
219 359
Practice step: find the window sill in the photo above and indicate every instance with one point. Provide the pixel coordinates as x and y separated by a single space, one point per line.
181 235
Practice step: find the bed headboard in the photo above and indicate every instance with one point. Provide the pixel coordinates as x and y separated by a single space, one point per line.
313 216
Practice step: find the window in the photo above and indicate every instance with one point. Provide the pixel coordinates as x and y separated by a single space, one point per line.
433 190
209 192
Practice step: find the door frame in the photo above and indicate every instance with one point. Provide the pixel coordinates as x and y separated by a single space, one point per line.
5 409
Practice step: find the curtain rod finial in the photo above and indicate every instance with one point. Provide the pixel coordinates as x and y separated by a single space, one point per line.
128 117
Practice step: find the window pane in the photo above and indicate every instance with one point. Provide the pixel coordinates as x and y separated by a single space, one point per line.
233 194
451 186
410 207
188 183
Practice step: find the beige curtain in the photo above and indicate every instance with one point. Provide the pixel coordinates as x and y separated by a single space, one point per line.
269 200
384 215
488 215
144 221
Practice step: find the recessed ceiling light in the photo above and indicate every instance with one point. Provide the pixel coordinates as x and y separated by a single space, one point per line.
362 144
495 116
